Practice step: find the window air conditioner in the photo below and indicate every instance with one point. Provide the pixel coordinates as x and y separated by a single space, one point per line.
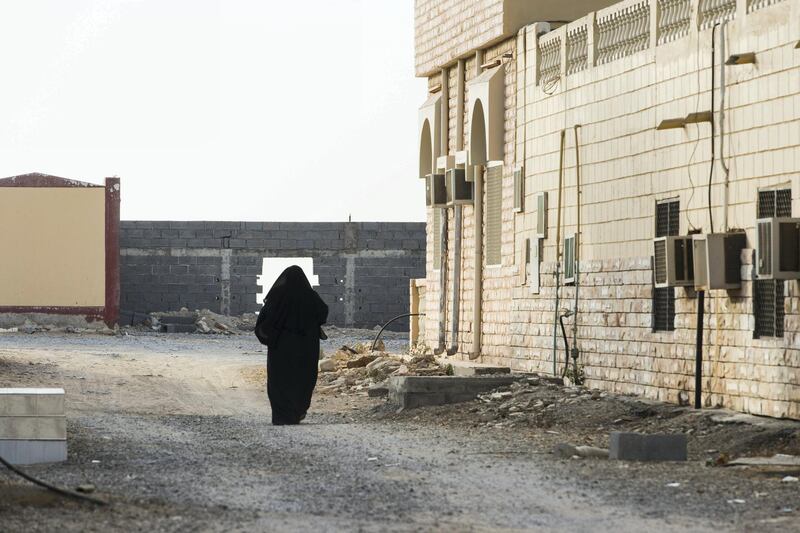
778 248
673 262
435 190
718 260
459 191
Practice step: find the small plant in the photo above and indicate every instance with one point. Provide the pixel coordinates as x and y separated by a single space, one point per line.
448 370
576 377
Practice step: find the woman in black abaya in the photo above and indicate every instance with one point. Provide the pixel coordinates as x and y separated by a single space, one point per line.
289 324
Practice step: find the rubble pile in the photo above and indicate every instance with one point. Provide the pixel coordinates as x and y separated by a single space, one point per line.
532 401
202 321
358 368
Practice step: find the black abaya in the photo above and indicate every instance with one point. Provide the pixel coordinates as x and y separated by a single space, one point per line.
289 324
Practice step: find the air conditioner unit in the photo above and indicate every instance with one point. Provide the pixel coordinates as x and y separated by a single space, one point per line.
673 261
778 248
435 190
570 245
718 260
541 215
459 191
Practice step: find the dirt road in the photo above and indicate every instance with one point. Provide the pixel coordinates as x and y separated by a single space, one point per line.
173 430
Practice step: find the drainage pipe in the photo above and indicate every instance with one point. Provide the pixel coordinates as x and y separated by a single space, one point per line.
558 253
477 201
455 314
456 275
477 295
442 282
698 354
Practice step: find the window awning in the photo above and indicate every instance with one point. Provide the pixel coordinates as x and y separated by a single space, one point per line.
429 134
487 116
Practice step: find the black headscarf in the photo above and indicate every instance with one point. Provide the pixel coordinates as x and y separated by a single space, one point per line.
291 305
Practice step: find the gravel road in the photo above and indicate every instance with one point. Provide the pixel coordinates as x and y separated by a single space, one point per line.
173 431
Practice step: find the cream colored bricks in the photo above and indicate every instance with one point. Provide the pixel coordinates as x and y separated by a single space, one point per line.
618 99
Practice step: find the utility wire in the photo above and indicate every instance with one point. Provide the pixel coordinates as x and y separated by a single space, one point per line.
58 490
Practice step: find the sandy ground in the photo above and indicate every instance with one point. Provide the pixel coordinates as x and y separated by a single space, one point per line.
173 430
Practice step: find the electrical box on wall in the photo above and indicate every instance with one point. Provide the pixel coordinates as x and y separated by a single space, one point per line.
519 190
673 261
778 248
459 190
435 190
570 246
717 259
541 215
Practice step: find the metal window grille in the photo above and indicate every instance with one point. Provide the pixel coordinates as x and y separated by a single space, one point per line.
667 224
768 294
494 214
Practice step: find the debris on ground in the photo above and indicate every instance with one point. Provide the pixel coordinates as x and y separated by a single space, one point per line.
566 418
199 321
359 369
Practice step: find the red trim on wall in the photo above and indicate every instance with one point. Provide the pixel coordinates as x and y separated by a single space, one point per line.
111 315
91 313
43 180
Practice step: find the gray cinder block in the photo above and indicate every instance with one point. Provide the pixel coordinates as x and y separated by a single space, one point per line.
640 447
410 392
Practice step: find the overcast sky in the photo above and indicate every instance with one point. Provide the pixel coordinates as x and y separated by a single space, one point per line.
218 110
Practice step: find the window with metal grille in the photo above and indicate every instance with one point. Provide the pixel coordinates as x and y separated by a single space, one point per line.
494 214
667 224
437 239
768 300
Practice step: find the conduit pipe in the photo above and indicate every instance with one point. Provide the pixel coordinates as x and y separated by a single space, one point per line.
455 311
725 169
444 109
558 252
453 348
477 201
577 246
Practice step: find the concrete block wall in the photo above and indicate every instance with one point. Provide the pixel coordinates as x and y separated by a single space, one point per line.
363 267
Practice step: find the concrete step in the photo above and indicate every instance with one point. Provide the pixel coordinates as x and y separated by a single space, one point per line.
410 392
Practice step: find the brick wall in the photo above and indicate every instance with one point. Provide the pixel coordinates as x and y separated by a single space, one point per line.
626 166
363 268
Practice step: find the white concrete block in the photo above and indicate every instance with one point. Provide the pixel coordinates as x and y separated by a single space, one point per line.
28 452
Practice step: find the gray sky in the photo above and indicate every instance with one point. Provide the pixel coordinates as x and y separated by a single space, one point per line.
218 110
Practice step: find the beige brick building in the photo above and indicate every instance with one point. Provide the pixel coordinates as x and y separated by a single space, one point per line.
584 135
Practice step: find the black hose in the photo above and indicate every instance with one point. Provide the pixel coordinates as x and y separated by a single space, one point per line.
377 338
53 488
698 354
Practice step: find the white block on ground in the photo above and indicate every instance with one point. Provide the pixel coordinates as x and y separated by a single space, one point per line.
33 427
31 402
28 452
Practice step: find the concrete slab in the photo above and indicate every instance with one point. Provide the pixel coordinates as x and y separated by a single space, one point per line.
28 452
410 392
31 402
640 447
33 427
